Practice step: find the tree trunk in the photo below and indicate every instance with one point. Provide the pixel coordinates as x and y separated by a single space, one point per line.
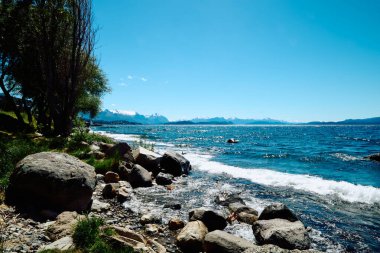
13 104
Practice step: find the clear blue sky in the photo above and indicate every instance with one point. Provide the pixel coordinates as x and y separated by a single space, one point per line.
297 60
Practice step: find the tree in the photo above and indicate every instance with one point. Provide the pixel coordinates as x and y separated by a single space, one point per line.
9 32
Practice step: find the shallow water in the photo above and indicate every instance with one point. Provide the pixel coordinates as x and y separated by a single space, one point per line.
318 171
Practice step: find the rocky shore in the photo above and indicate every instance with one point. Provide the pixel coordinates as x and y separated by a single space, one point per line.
50 192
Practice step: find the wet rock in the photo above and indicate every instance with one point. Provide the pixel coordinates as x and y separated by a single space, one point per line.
283 233
140 177
175 164
99 206
246 218
147 159
121 149
164 179
64 225
151 229
269 248
175 223
123 194
150 218
109 191
173 205
212 219
191 237
226 199
222 242
374 157
111 177
232 140
238 207
277 211
50 180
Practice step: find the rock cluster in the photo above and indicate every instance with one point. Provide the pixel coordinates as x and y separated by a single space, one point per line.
276 229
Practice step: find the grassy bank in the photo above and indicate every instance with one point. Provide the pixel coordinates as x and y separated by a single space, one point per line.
15 145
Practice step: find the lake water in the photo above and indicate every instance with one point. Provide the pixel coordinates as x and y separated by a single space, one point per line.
318 171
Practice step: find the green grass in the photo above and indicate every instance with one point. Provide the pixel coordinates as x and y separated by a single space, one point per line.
90 238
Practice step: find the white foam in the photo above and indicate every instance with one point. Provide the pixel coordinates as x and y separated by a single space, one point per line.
344 190
132 138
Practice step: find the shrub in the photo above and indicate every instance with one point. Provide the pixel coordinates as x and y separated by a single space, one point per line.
87 232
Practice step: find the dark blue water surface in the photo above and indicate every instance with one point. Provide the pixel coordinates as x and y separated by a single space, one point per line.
342 198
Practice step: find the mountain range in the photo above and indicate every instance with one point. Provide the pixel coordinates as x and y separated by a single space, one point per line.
128 117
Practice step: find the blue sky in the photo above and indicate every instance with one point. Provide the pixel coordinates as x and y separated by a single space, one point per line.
290 60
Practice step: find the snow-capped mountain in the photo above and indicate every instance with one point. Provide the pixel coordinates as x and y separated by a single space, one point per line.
129 116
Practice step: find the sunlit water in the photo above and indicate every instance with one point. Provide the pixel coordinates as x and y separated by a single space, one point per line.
318 171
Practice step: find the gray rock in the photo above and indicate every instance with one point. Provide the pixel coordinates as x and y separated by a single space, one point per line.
175 164
99 206
65 243
223 242
277 211
150 219
269 248
247 218
147 159
191 237
212 219
283 233
226 199
121 149
238 207
140 177
123 194
51 180
164 179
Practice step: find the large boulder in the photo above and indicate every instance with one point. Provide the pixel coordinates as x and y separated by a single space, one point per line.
140 177
147 159
374 157
55 181
212 219
283 233
277 211
175 164
121 149
223 242
191 237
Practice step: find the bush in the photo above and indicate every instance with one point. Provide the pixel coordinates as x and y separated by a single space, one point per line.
89 238
12 150
87 232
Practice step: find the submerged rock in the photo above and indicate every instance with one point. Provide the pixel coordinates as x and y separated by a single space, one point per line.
51 180
175 164
223 242
191 237
374 157
283 233
277 211
226 199
212 219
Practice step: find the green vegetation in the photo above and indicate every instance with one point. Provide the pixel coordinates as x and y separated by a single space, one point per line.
48 71
14 147
89 237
